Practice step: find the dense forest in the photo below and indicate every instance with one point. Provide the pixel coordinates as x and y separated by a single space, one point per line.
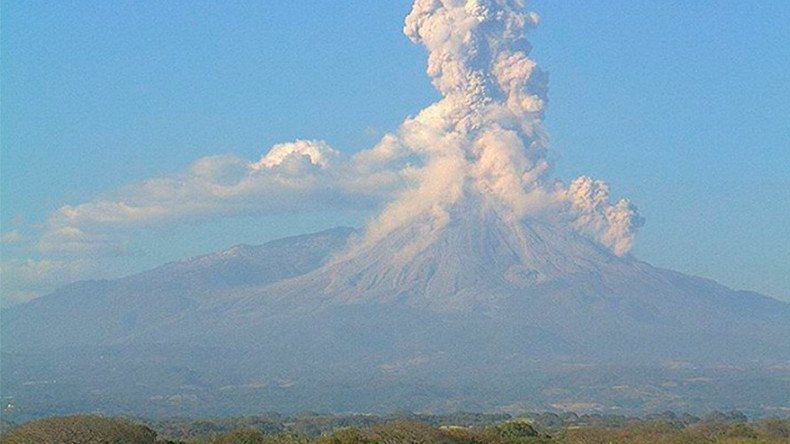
460 428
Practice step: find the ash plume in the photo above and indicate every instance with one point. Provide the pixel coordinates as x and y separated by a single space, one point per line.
482 142
485 138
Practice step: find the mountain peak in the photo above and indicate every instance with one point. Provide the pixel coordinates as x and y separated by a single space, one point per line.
473 257
486 296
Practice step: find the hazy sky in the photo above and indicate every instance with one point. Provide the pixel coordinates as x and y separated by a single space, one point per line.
683 107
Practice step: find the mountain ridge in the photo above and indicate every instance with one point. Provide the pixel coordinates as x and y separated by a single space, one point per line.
271 283
259 328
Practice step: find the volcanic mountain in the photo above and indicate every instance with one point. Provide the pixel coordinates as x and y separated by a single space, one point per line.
490 311
476 285
484 286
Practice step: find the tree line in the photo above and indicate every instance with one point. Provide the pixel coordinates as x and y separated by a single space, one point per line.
460 428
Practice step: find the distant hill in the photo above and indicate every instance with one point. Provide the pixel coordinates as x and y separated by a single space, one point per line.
118 310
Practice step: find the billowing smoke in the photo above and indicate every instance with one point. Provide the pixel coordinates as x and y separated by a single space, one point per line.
612 225
483 141
485 138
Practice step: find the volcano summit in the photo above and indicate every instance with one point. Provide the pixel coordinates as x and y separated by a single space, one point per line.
483 283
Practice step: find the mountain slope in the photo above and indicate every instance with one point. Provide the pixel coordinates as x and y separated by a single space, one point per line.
511 288
104 312
515 289
485 304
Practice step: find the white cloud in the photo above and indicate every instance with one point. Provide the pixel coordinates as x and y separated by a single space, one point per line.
23 280
11 237
307 152
303 175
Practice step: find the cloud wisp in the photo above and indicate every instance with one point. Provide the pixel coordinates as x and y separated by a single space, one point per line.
298 176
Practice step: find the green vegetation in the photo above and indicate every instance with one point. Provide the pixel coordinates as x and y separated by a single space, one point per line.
461 428
80 430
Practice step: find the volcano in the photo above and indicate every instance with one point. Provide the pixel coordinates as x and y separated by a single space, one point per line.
490 314
482 284
506 288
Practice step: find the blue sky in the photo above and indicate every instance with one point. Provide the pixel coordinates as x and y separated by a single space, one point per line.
684 107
